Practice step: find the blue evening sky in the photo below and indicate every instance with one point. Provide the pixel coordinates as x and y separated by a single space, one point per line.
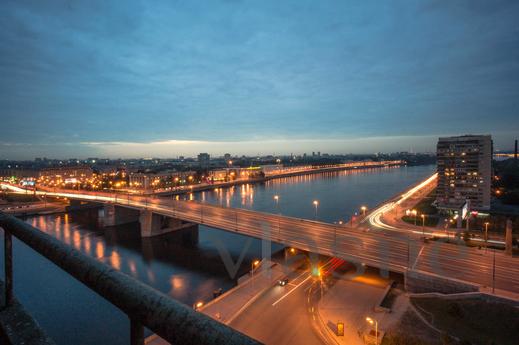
167 78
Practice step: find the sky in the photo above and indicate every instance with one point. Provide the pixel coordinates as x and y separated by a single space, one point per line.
167 78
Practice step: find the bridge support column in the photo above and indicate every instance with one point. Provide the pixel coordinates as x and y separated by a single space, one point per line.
73 203
116 215
153 225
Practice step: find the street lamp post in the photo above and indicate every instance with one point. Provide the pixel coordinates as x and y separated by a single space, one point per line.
363 209
494 272
316 204
486 235
371 321
276 198
414 212
423 224
253 265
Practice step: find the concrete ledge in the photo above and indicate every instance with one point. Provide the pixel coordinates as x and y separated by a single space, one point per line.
421 282
17 327
467 295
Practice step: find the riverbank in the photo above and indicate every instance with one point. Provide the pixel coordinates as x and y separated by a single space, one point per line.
238 182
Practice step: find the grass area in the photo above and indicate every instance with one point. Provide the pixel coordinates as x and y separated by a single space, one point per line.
425 205
429 221
411 331
474 321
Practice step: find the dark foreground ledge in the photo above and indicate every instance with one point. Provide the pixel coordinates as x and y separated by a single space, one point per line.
17 326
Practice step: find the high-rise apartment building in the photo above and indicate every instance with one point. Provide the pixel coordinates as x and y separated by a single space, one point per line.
203 160
464 172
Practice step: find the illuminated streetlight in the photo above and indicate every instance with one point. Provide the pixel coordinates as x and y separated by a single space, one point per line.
198 305
414 212
423 224
371 322
276 198
363 209
254 264
316 204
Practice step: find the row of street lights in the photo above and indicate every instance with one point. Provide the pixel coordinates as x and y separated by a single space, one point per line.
315 203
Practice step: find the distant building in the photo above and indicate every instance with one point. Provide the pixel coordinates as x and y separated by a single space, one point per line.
204 160
17 173
227 157
464 172
65 175
161 180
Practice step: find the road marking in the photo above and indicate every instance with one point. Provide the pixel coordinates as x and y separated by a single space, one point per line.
288 293
418 256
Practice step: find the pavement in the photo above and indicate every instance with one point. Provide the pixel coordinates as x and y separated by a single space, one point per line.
350 302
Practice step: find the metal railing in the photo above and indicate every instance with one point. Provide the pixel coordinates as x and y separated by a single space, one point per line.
144 306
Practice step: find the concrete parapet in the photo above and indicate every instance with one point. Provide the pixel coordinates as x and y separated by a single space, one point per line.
421 282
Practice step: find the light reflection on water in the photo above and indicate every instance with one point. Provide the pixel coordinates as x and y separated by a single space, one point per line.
186 273
340 194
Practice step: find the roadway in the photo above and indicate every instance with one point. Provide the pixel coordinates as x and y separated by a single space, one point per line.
284 314
284 322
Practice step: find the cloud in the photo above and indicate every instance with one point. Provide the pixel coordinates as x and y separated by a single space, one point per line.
234 71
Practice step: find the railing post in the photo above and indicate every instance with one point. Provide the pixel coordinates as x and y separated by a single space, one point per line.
136 333
8 261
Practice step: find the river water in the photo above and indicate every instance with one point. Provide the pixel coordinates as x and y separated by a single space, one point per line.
72 314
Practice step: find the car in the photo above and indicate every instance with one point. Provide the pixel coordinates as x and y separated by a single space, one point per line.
283 282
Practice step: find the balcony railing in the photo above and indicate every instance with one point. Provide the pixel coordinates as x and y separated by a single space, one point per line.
144 306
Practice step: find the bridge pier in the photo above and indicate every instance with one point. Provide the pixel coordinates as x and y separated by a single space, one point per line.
116 215
154 225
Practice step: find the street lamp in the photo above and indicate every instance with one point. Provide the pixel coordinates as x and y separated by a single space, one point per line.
198 305
414 212
316 204
371 322
486 235
276 198
254 264
423 224
363 209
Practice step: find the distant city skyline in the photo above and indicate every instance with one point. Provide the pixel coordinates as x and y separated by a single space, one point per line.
165 79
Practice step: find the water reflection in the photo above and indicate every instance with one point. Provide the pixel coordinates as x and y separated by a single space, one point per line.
340 193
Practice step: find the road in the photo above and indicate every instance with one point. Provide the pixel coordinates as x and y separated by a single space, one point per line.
281 315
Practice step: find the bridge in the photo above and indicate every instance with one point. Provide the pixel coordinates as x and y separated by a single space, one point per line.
460 265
